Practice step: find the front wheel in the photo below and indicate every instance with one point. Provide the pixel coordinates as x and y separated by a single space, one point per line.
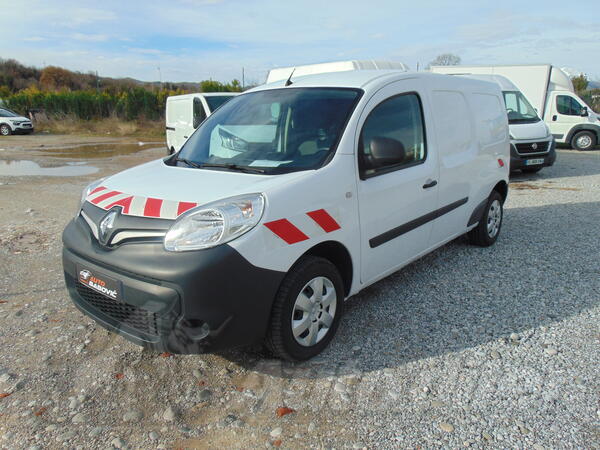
584 140
307 310
5 130
487 230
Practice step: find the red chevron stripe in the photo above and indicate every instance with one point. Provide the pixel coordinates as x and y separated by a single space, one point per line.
124 202
287 231
184 206
105 196
152 208
324 220
98 189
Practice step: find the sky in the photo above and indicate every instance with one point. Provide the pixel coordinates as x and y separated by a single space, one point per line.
193 40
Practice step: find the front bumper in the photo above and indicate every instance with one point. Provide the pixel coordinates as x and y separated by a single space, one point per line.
180 302
23 129
517 160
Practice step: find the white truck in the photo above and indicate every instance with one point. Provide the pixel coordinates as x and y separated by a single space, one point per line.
286 201
283 73
532 145
185 112
551 93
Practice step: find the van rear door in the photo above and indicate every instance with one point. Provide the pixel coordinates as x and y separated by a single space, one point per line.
179 121
397 185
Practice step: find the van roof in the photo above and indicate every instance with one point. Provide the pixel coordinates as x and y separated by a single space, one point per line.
202 94
362 79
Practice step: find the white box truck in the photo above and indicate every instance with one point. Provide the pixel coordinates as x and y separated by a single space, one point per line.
551 93
283 73
186 112
532 146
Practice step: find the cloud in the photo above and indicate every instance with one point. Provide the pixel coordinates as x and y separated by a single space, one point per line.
89 37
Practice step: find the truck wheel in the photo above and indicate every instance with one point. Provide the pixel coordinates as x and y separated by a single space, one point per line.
5 130
307 310
487 230
584 140
531 169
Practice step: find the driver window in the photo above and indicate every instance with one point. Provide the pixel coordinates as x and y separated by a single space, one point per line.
395 122
568 106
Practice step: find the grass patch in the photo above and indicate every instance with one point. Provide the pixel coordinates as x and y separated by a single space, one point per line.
111 126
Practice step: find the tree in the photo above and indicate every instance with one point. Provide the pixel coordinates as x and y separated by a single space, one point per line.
580 83
56 78
445 59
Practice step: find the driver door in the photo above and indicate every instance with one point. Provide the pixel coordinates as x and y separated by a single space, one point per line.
396 200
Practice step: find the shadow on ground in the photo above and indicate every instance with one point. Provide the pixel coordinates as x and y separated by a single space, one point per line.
460 297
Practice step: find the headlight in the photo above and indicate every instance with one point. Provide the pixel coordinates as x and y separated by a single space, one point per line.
215 223
89 188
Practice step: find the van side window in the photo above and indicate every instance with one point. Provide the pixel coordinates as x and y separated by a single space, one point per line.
199 114
392 137
568 106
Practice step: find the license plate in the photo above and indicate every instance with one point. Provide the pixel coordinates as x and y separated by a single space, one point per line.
100 283
534 162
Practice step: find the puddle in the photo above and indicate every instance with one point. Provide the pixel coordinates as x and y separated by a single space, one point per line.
30 168
91 151
521 186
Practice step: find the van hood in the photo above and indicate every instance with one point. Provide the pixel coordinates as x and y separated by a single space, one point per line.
526 131
157 190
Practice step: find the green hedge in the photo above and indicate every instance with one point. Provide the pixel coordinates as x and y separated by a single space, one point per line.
136 103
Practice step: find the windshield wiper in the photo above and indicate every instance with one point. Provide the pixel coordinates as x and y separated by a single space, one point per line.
188 162
232 167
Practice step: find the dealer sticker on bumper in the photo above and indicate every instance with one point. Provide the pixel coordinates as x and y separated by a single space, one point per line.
99 283
534 162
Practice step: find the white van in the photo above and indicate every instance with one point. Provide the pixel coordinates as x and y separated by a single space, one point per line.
550 91
532 145
185 112
285 202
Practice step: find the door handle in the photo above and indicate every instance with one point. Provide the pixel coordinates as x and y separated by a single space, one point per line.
429 184
185 137
554 118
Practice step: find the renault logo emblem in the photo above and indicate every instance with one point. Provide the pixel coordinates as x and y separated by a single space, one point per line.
534 146
106 225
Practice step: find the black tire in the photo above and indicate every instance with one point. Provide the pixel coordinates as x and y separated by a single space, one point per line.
480 235
531 169
5 130
584 140
280 339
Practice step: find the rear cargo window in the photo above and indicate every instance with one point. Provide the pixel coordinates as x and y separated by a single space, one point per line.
452 122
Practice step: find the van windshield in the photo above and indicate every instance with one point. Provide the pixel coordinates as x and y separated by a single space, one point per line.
273 131
214 101
518 108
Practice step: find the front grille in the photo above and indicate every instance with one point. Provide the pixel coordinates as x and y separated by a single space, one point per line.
533 147
141 320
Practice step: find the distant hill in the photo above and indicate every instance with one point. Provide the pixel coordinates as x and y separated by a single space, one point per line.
15 77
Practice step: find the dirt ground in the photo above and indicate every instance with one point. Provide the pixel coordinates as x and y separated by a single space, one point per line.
451 352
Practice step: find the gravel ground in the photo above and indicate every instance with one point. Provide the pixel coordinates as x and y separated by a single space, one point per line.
467 347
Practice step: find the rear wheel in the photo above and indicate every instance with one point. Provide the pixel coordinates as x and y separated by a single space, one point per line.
487 230
584 140
307 310
5 130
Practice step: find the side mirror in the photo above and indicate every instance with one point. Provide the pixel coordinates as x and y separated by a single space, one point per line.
584 112
385 151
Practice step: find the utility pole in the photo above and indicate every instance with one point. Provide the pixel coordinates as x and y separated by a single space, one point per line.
97 83
243 78
159 77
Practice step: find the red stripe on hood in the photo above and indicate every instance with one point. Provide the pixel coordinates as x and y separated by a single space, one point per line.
152 208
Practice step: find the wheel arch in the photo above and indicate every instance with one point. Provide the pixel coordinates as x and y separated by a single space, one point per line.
339 256
502 188
583 127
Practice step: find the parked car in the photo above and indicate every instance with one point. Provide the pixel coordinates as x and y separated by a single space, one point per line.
186 112
283 203
532 146
13 123
550 91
